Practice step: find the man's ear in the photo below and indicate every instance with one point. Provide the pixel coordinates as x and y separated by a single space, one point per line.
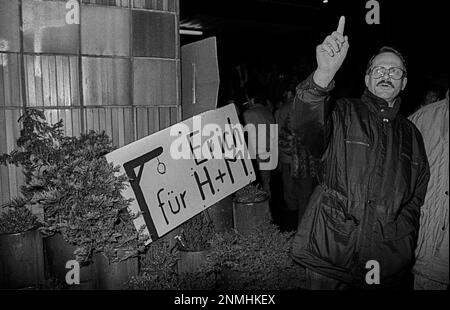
366 79
404 81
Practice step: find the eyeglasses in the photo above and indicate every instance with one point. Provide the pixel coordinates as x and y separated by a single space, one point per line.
393 72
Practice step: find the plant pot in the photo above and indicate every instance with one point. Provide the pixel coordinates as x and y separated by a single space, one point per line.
248 215
221 214
191 262
114 275
21 260
57 253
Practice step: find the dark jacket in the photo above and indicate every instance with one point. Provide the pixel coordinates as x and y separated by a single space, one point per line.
374 178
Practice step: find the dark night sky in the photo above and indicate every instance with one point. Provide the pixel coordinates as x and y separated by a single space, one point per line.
266 32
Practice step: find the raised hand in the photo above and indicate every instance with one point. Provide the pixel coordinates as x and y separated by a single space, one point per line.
330 55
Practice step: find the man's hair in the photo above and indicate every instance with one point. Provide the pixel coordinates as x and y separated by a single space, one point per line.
386 49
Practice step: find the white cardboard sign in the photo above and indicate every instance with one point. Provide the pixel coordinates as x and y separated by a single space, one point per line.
200 77
169 190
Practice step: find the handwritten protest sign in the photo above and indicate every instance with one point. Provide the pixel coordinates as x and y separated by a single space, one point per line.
182 170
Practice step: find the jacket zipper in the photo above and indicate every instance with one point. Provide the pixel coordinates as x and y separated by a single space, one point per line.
357 142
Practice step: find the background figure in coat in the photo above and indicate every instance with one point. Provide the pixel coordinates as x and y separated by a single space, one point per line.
296 180
262 140
285 149
365 211
432 262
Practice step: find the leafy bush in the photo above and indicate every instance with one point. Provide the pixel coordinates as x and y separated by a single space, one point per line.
77 188
250 193
158 269
257 261
196 233
199 280
37 145
15 217
159 272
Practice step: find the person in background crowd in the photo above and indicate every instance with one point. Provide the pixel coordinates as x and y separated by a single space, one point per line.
361 224
432 94
256 113
296 185
431 270
285 149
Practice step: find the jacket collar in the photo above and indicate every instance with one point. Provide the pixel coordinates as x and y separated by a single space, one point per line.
379 106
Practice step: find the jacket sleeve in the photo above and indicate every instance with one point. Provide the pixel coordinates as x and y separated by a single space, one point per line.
312 118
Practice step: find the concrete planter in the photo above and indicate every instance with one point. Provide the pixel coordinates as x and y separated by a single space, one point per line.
248 215
100 274
221 214
57 253
114 275
21 260
190 262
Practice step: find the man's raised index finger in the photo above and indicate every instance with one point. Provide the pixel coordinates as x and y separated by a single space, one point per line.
340 28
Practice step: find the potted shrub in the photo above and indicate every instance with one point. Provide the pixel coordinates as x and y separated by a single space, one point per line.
80 195
194 242
259 260
88 210
250 208
21 249
159 271
158 268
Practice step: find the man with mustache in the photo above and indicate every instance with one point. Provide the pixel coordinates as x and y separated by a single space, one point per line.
361 225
